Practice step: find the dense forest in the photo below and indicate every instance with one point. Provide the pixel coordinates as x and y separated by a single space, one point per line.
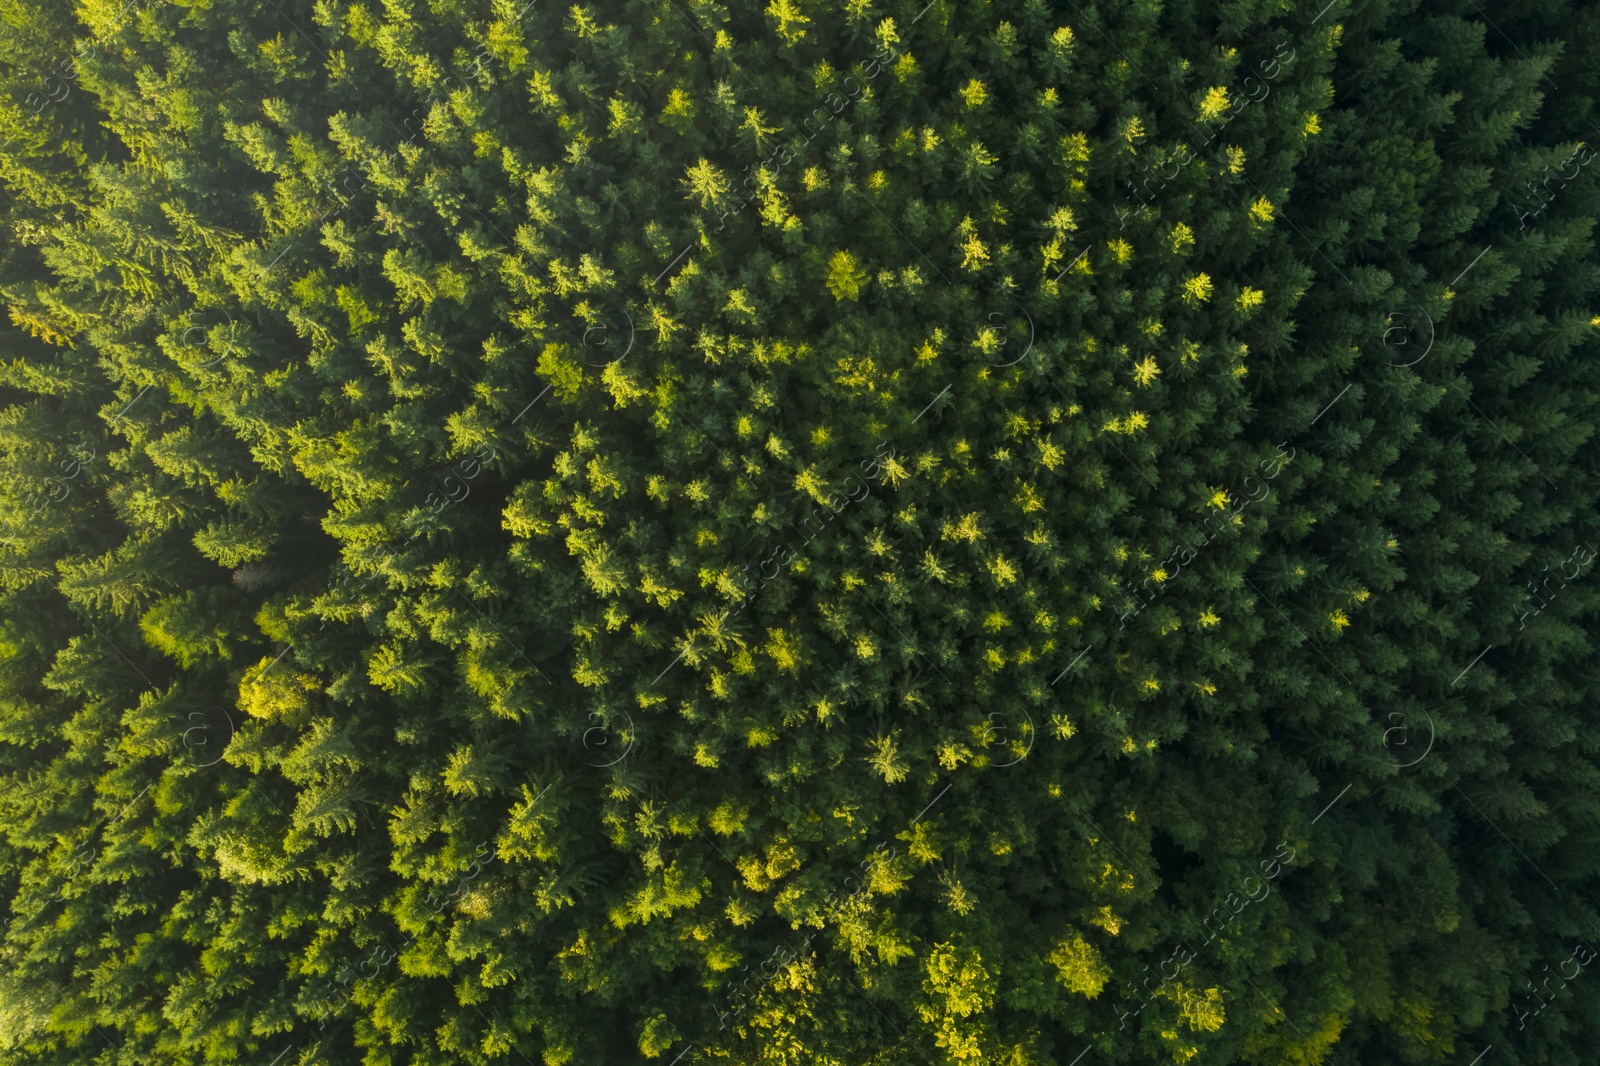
971 531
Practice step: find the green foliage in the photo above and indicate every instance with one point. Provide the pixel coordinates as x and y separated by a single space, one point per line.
811 533
845 279
188 628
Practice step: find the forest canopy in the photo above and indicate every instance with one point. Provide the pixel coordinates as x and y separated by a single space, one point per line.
971 531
